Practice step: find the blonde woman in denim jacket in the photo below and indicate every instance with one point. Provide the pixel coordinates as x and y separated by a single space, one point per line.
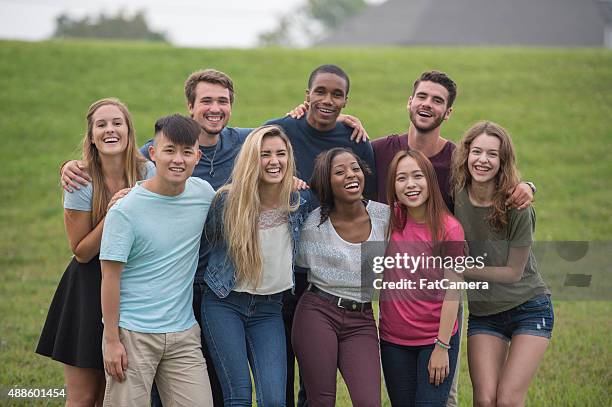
251 235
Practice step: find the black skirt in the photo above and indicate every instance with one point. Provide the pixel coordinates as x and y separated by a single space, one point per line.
73 330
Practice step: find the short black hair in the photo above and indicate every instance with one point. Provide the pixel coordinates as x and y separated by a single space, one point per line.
441 79
328 68
179 129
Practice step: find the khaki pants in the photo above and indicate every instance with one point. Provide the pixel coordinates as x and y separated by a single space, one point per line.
174 360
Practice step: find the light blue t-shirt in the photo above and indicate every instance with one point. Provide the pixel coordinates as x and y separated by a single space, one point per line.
80 199
157 237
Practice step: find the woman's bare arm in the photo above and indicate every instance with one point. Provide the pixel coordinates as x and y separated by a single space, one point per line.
511 273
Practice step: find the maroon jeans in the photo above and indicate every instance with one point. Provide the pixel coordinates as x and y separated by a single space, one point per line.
325 338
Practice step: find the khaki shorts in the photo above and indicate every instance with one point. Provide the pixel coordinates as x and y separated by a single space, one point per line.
174 360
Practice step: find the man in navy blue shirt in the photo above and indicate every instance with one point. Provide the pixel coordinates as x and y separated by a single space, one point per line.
318 131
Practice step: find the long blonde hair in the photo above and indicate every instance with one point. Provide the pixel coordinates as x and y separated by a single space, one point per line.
506 178
133 161
242 206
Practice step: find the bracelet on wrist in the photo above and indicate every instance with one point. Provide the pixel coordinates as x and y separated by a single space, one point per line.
532 186
442 344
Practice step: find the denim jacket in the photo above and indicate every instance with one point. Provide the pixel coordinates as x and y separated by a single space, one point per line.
220 273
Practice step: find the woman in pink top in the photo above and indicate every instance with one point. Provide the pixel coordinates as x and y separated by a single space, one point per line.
418 310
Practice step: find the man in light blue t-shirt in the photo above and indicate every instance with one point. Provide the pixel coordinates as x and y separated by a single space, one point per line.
149 254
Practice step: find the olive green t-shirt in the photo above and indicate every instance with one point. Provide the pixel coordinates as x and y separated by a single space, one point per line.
495 246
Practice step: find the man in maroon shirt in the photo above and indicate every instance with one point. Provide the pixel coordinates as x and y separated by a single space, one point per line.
429 105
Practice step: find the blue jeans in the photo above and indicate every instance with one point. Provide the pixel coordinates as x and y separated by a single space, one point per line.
534 317
407 377
241 330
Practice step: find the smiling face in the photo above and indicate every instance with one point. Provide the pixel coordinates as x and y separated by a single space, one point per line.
347 179
212 107
427 106
327 97
410 184
174 163
273 160
109 132
483 159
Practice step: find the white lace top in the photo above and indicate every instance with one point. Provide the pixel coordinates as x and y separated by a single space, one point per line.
276 248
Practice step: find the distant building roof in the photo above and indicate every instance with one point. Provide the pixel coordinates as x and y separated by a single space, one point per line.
573 23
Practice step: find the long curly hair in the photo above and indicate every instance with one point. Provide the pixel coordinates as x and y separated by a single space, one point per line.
506 178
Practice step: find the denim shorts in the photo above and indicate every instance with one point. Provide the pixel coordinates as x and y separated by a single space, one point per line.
534 317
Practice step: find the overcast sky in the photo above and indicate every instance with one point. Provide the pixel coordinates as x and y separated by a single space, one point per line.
197 23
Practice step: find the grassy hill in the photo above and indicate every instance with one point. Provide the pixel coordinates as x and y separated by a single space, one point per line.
556 103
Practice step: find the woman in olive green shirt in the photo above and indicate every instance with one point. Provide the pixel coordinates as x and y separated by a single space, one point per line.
510 323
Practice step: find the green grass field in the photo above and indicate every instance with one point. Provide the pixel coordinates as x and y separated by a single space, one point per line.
556 103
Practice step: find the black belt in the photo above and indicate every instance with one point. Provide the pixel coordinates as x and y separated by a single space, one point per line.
340 302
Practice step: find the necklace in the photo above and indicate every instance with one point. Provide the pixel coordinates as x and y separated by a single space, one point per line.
211 161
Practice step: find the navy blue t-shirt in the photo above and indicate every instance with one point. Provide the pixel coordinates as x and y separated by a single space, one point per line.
308 142
224 153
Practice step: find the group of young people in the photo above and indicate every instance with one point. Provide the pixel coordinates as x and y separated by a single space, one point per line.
203 259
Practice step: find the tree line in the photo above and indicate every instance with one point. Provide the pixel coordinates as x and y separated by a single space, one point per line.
118 26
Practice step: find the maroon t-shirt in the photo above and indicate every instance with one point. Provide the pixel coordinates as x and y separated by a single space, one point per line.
385 149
